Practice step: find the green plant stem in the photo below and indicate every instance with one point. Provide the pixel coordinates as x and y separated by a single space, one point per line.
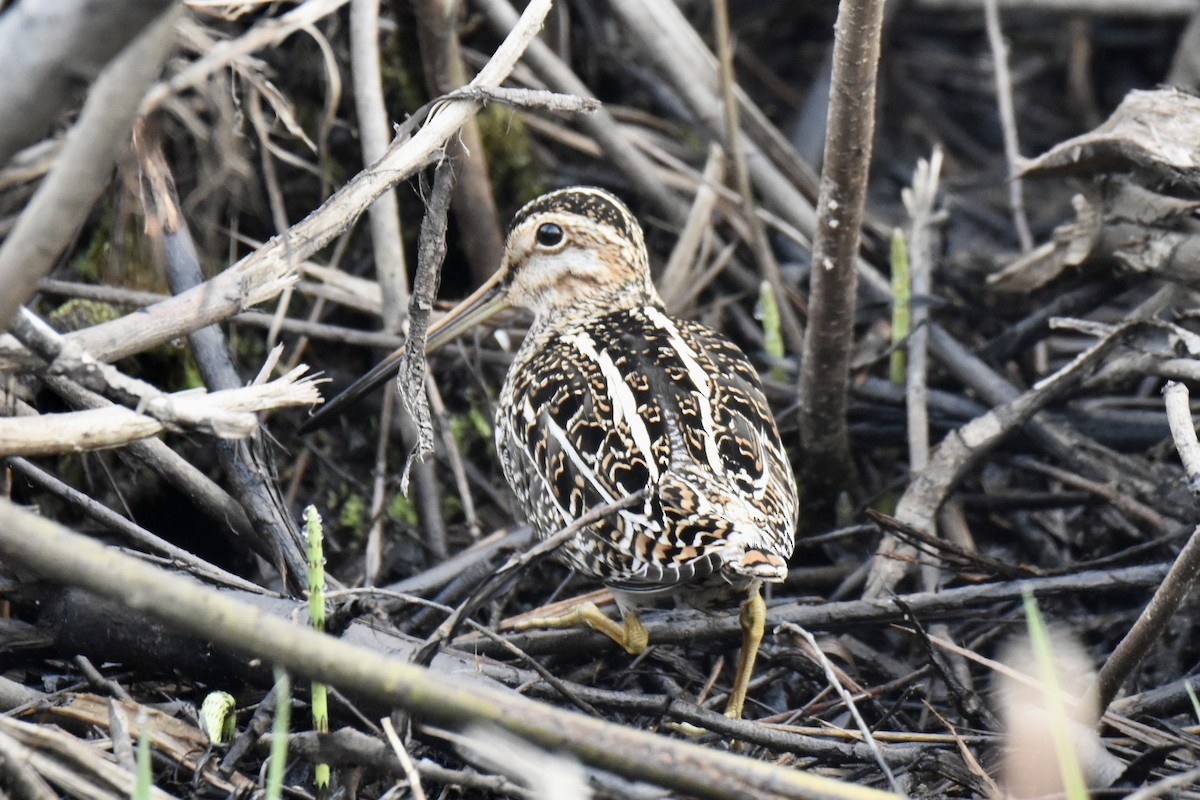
279 734
141 784
1074 786
772 324
316 616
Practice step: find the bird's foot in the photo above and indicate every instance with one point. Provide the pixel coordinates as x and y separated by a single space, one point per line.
631 635
753 620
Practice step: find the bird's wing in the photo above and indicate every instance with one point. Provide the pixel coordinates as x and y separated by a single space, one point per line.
644 402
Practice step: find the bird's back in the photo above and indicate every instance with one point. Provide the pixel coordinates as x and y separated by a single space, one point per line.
635 400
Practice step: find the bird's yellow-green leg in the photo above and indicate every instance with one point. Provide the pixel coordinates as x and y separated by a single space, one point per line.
631 634
754 621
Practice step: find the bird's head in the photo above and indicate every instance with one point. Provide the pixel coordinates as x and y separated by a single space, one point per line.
571 252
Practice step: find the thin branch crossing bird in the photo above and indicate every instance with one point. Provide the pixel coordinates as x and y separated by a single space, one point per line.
609 395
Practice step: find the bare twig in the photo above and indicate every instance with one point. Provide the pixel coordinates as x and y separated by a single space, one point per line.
919 201
474 206
683 626
1008 122
964 447
741 173
222 412
272 30
1183 431
64 358
133 298
632 163
829 336
1124 8
83 168
411 380
528 99
122 526
1175 586
410 772
51 45
249 467
387 244
831 676
678 275
373 549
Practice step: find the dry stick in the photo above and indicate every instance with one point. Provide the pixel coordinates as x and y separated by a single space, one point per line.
249 466
619 150
962 449
829 336
84 167
54 552
103 424
63 358
124 527
685 627
919 201
1112 495
275 204
406 764
270 32
1008 122
410 383
387 245
1179 417
117 295
678 277
21 776
1159 9
831 677
1066 444
352 748
453 456
52 46
373 551
1179 580
262 274
474 206
758 235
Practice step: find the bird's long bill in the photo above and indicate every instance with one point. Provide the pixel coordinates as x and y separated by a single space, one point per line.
482 304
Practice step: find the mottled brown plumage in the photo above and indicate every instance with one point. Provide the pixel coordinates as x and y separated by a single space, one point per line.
609 396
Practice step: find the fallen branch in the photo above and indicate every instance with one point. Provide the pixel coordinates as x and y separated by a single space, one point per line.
228 413
1173 590
44 547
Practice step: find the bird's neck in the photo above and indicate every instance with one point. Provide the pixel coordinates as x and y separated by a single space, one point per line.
581 308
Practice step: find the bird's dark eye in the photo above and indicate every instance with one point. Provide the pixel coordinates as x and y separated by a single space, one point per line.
549 235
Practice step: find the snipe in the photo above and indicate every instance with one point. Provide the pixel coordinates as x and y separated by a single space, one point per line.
609 395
